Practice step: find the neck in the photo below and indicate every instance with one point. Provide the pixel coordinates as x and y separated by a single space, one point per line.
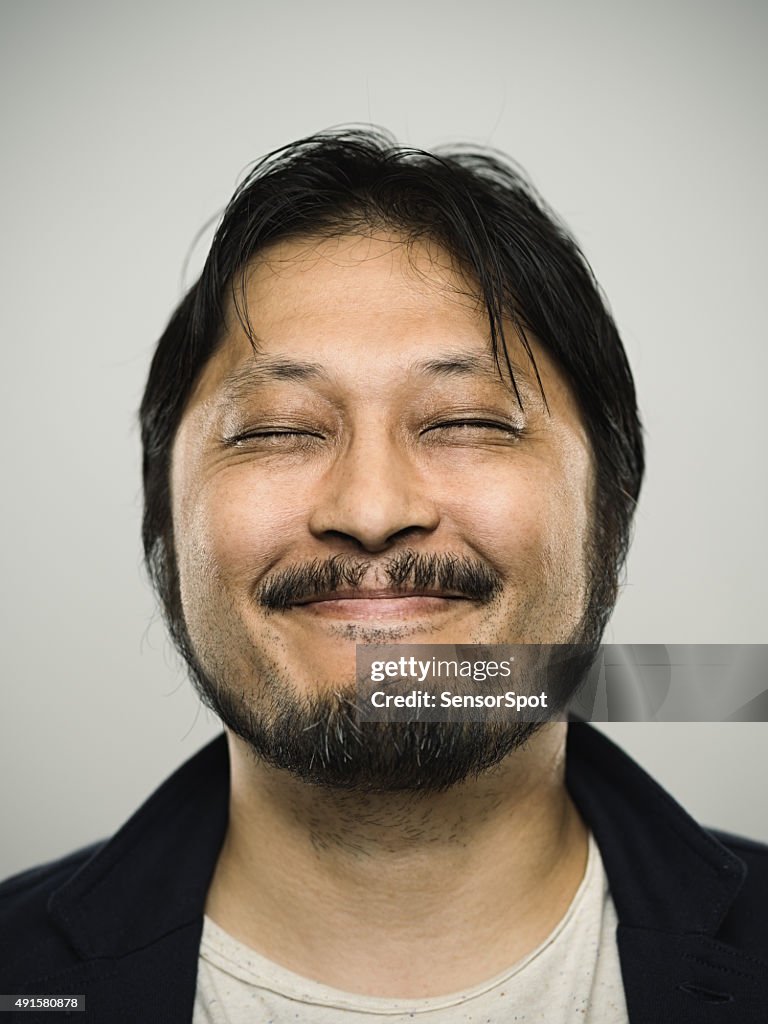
350 889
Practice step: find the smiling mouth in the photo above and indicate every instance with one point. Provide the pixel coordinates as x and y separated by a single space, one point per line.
379 604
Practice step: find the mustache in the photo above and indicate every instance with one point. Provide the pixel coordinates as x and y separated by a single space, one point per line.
407 570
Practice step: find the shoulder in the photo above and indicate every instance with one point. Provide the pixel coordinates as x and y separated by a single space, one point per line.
43 879
749 849
753 853
44 876
25 924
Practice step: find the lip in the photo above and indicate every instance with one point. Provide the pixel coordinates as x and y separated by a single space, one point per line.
379 604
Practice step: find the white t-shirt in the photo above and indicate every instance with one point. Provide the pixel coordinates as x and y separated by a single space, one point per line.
573 976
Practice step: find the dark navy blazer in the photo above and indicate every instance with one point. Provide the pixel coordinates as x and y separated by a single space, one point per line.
121 921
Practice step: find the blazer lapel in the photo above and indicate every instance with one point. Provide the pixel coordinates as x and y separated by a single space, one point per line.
153 985
673 884
133 914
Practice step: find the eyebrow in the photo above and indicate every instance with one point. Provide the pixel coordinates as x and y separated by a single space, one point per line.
466 366
266 369
262 370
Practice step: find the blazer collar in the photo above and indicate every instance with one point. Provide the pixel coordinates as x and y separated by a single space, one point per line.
665 871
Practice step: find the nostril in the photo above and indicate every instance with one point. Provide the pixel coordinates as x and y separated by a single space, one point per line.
706 995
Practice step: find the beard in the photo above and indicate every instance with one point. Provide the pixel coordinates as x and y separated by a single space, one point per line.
321 741
320 737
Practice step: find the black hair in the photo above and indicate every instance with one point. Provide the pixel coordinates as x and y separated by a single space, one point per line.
480 208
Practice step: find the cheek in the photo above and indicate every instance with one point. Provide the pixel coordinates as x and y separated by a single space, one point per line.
236 527
526 521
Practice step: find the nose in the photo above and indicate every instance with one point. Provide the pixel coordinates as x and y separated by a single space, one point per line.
373 496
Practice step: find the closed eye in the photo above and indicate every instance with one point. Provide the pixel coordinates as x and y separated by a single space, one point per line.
276 436
466 426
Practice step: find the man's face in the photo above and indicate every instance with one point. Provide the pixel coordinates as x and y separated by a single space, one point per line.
368 476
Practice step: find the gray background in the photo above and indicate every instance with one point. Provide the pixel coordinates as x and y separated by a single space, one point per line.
125 126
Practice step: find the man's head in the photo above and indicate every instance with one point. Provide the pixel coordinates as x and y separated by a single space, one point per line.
394 407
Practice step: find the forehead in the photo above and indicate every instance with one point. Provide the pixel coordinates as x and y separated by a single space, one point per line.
357 275
361 310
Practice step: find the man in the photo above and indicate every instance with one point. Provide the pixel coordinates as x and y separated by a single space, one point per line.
393 409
